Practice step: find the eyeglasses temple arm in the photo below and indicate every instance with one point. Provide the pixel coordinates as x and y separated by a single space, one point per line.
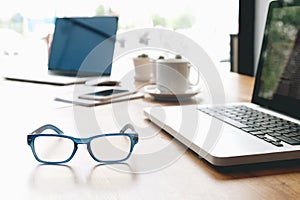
47 126
127 126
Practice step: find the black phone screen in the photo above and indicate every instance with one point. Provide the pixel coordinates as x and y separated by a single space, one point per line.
110 92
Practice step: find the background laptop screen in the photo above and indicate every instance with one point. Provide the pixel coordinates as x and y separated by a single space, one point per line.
73 40
278 77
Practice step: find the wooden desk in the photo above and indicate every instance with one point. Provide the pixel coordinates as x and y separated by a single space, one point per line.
26 106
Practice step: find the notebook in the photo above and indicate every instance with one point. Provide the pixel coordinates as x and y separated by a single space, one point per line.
82 48
265 130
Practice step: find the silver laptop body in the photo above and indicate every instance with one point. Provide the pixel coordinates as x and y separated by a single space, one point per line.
223 141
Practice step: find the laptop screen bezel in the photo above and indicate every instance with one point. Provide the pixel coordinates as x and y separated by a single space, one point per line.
58 70
284 105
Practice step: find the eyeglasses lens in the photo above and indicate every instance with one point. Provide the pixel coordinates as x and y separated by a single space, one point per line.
111 148
53 148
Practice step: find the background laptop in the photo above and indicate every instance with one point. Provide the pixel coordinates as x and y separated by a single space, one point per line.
267 129
73 40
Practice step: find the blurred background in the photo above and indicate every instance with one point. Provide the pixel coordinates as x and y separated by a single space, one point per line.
28 23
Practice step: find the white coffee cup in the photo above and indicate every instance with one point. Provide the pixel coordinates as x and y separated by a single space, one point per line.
173 76
143 69
153 72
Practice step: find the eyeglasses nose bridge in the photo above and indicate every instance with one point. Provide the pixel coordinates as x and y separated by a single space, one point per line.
81 141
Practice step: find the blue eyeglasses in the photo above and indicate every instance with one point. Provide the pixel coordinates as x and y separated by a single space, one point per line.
56 148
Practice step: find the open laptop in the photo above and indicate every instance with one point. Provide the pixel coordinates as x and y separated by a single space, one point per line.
268 128
71 59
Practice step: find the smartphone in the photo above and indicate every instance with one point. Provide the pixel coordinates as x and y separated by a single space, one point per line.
106 94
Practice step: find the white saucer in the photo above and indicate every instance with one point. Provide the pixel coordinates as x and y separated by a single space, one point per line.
167 96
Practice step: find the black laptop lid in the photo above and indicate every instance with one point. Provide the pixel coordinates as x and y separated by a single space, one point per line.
277 84
74 38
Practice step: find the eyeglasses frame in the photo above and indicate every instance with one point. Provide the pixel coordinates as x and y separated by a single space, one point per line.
38 133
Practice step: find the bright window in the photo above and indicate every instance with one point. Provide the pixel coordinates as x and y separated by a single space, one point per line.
208 23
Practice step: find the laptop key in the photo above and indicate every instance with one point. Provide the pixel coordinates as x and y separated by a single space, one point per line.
288 140
278 144
261 136
232 122
268 140
289 135
284 131
256 133
296 138
297 133
266 131
248 129
274 134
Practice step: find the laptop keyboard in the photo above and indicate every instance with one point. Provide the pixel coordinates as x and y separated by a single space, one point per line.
267 127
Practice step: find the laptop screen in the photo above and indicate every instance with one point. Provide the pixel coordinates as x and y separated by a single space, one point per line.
75 38
277 83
